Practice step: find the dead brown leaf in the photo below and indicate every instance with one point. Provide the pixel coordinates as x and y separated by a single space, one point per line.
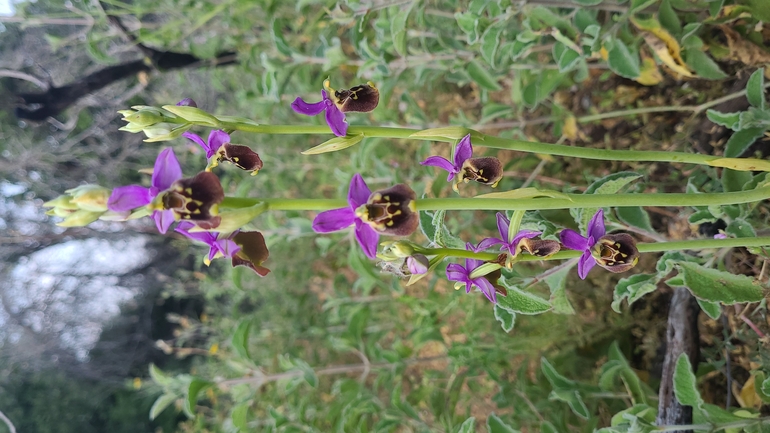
744 51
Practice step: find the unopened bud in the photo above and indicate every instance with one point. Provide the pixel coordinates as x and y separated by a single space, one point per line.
90 197
80 218
145 117
396 250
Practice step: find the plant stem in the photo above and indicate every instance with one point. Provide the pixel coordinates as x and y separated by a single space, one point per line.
653 247
481 139
570 201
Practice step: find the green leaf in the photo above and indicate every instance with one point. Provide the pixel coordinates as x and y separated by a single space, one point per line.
239 415
490 41
733 180
741 140
607 185
740 229
718 286
755 89
573 399
196 386
193 114
557 381
622 61
557 283
468 426
762 386
712 309
669 19
633 288
240 340
546 426
161 404
587 2
702 216
565 56
426 225
443 237
398 29
496 425
685 388
159 377
481 76
507 318
335 144
703 65
522 302
728 120
635 217
469 24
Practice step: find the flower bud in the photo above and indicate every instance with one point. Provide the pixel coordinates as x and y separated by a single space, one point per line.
396 250
79 218
90 197
145 117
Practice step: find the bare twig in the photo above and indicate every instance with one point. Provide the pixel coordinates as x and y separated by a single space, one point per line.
22 76
7 422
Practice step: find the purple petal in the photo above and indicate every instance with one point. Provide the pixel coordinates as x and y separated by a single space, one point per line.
472 264
455 272
187 102
503 224
205 237
166 171
463 151
529 234
488 242
226 247
415 266
333 220
336 120
217 138
197 139
163 220
572 240
442 163
302 107
596 226
126 198
486 288
359 192
585 264
367 238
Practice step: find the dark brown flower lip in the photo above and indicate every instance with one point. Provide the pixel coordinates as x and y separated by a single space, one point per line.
196 199
362 98
253 252
616 252
539 247
391 211
239 155
486 170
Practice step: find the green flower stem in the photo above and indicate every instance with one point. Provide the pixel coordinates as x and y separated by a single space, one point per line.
575 201
653 247
481 139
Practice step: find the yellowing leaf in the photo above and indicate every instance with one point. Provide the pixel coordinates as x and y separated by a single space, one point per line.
741 164
748 396
604 53
663 44
570 130
650 74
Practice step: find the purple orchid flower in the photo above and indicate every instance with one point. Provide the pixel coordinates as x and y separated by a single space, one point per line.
615 252
362 98
127 198
574 241
338 219
462 274
463 152
216 139
334 116
219 245
389 211
512 247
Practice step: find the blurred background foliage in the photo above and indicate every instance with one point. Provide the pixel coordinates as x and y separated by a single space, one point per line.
327 342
